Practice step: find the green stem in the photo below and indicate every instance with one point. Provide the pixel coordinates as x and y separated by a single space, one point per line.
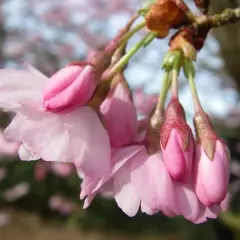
196 101
164 91
129 34
124 60
150 39
175 73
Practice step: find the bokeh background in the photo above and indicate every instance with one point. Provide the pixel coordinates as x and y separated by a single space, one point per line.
40 200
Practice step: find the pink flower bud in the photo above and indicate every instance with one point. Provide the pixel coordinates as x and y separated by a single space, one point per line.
211 176
70 88
120 116
177 142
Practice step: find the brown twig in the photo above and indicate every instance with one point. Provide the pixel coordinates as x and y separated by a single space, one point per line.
228 16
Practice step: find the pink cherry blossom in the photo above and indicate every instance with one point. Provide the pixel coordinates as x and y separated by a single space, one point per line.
120 116
211 177
40 170
62 169
70 88
138 181
16 192
77 136
144 103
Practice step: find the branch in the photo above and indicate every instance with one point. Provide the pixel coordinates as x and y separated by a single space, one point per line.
228 16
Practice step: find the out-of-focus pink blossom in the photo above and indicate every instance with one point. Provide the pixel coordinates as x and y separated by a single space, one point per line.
144 103
70 88
59 204
211 176
16 192
120 116
62 169
40 170
177 142
77 136
55 202
67 208
4 219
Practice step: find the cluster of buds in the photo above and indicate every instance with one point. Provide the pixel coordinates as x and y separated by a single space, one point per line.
85 114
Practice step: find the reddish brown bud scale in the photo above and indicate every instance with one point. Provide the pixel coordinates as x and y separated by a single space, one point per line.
182 128
175 109
183 40
205 133
175 119
163 15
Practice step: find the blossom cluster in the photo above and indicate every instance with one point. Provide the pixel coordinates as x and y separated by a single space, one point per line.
84 114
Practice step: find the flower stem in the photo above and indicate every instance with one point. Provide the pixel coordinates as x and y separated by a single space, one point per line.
164 90
196 101
175 73
129 34
124 60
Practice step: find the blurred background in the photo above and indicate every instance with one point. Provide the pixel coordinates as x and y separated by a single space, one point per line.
40 200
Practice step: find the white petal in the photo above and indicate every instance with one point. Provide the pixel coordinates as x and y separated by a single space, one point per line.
25 154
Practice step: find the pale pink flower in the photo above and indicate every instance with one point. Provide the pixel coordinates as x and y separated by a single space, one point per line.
70 88
16 192
67 208
144 103
77 136
5 219
141 181
40 170
211 177
120 116
59 204
55 202
62 169
177 143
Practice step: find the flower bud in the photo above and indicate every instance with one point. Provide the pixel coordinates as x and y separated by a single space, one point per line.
119 114
177 142
211 176
162 16
70 88
211 163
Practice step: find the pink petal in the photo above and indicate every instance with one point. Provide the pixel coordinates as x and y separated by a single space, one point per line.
146 209
153 183
91 186
20 87
119 158
188 203
95 153
26 154
77 136
120 116
124 192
